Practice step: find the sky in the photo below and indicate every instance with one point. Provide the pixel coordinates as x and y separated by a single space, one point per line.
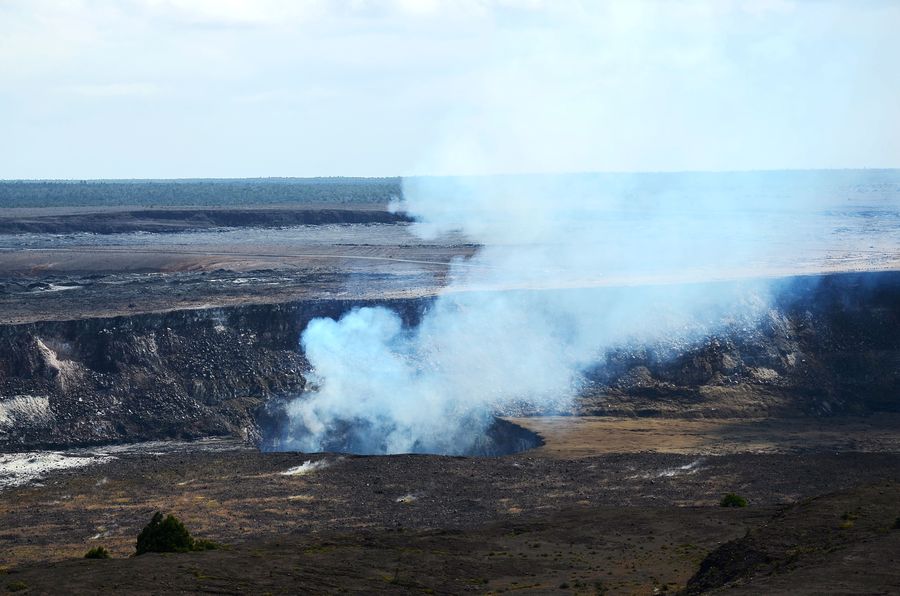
232 88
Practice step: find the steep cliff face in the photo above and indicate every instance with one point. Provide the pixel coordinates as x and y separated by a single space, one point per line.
180 374
829 345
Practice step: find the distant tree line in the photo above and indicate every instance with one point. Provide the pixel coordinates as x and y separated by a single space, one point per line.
199 192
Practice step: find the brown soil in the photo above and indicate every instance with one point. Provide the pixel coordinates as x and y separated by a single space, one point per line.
585 436
810 548
583 550
563 515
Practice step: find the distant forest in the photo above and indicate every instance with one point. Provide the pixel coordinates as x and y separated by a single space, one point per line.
197 192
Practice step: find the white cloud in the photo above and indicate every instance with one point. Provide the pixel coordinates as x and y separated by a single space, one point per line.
113 90
234 12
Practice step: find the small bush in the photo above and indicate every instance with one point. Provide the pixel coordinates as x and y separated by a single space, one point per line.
164 535
98 552
733 500
203 544
847 519
168 535
16 586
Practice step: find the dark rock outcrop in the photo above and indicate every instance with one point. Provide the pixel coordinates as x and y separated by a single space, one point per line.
180 374
814 537
829 344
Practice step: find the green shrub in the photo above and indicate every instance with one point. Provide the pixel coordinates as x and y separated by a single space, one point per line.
164 535
16 586
168 535
203 544
733 500
98 552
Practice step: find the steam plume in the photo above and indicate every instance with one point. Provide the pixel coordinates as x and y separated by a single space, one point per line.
519 322
573 266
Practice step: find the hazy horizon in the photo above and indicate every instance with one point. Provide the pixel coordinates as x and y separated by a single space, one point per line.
450 175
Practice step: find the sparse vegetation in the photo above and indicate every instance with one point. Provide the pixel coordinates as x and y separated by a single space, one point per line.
204 544
98 552
16 586
847 519
169 535
733 500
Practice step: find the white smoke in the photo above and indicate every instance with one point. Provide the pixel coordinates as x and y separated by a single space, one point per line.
520 321
573 266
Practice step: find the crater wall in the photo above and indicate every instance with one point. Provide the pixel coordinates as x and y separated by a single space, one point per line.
830 345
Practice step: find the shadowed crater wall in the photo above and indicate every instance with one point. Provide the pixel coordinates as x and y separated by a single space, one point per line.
829 346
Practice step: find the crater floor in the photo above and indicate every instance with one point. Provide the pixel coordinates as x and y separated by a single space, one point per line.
624 517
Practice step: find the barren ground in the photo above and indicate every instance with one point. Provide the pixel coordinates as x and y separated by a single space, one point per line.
570 437
594 507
